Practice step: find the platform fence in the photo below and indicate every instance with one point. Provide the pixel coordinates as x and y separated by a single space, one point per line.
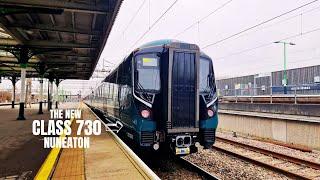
289 94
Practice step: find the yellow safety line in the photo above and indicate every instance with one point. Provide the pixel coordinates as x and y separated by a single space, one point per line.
49 164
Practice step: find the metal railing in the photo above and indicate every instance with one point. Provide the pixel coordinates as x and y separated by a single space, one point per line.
289 94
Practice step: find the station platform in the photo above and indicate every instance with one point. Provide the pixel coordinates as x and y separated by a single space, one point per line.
290 129
21 153
106 158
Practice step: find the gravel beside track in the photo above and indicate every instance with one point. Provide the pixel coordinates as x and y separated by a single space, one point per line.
310 156
291 169
228 167
168 169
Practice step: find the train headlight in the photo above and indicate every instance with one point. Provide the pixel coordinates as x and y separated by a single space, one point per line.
180 141
210 112
156 146
145 113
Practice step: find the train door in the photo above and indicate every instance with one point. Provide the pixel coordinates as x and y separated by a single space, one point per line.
125 105
125 93
183 92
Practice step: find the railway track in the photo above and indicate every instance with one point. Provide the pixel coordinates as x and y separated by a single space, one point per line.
288 165
193 167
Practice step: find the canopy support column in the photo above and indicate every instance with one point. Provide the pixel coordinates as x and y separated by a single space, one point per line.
22 92
13 98
41 96
50 90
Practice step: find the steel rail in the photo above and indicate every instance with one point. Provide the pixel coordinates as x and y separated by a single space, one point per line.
260 163
193 167
292 159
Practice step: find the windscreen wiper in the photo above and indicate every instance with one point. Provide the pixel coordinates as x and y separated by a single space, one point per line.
144 94
208 88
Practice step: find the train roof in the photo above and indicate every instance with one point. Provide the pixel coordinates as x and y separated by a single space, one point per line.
169 42
163 42
160 42
156 43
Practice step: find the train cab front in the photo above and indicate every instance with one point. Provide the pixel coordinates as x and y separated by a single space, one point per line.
166 87
175 98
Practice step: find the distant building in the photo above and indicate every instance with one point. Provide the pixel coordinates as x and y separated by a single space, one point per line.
304 80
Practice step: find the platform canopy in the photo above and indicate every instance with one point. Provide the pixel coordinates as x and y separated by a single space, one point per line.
65 36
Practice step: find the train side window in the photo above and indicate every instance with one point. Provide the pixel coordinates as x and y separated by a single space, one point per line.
108 90
126 96
127 70
103 90
122 93
124 73
120 74
115 92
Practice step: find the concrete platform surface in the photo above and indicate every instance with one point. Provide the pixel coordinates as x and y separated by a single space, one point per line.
105 159
21 153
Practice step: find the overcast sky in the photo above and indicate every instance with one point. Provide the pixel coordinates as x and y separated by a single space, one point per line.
235 16
248 53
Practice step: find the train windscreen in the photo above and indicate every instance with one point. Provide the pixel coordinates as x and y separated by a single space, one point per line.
147 74
206 76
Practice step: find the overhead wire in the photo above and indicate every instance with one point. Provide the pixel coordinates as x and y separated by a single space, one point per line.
130 22
128 25
270 43
134 16
259 24
292 62
154 23
266 44
203 18
267 59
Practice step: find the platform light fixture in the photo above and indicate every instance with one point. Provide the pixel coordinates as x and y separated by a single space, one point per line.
285 78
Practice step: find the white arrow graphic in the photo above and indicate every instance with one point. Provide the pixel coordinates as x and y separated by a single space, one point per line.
116 127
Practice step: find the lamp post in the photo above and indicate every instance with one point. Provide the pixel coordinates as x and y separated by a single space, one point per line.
285 78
